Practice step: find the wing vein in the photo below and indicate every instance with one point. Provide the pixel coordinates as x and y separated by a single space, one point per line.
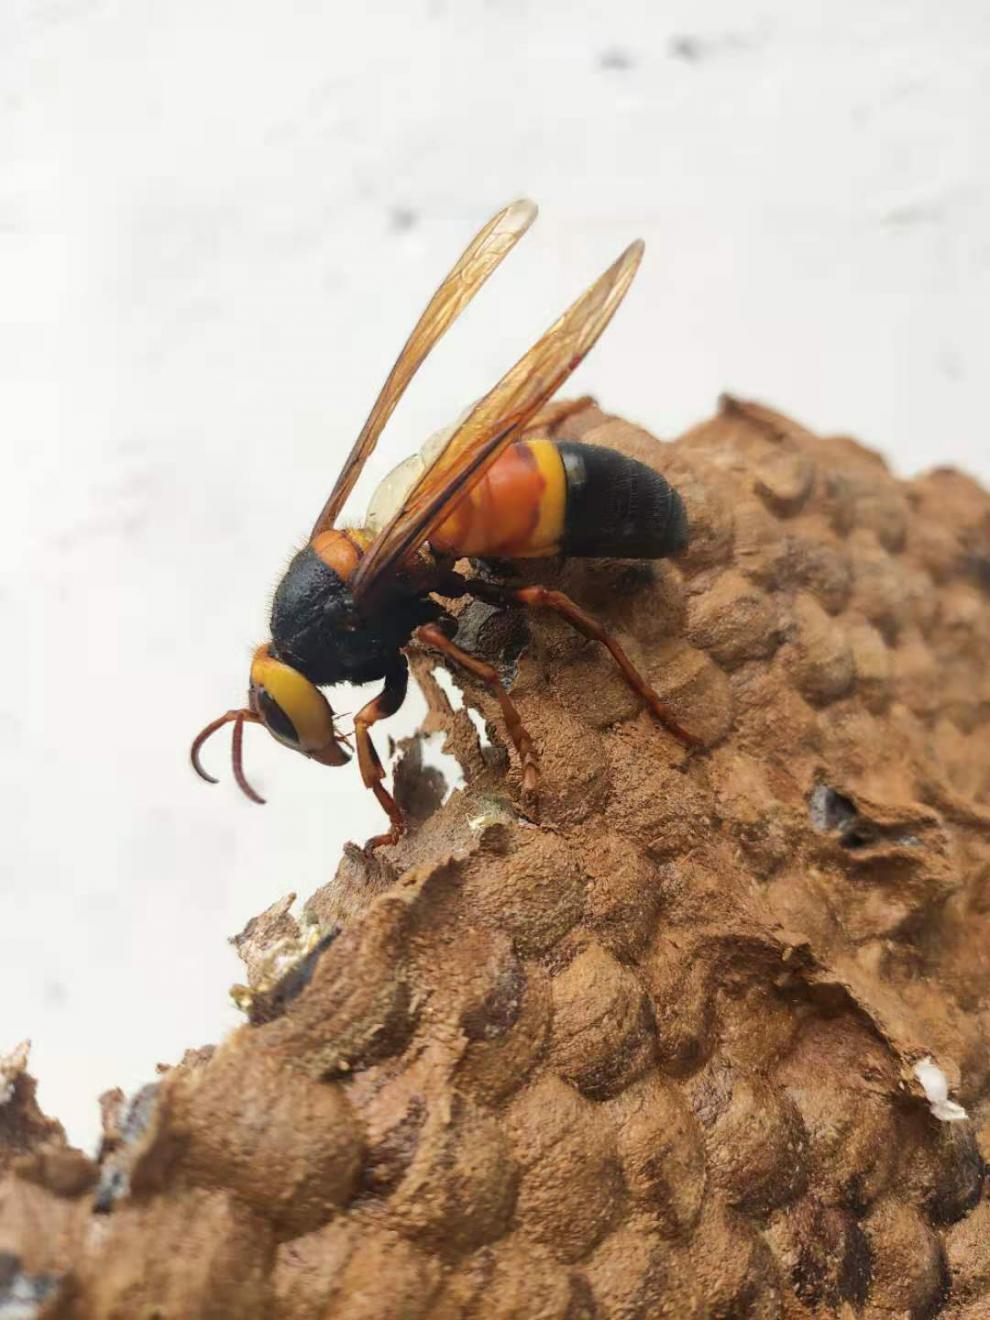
478 260
495 421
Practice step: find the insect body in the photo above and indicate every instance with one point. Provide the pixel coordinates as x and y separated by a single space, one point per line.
494 485
543 497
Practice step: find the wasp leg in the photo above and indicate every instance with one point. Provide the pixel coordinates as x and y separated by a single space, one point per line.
386 703
544 598
430 635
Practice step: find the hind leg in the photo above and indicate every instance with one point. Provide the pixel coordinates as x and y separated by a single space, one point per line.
544 598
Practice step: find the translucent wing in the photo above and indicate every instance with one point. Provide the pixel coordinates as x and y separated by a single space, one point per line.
495 421
476 263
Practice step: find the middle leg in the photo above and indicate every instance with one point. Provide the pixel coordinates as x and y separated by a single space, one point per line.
430 635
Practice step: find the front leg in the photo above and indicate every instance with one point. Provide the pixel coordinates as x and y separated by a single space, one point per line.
388 701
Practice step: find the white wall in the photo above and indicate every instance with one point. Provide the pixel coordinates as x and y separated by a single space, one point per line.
218 219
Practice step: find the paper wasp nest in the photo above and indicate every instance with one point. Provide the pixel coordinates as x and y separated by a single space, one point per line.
711 1040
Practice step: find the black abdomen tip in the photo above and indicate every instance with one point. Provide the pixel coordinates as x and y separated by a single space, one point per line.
618 508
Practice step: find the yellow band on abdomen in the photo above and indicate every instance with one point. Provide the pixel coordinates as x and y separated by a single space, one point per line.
515 512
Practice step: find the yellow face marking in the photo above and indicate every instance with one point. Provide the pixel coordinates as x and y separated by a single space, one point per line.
304 705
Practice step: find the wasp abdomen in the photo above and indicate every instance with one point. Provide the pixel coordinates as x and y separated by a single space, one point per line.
543 498
516 511
618 508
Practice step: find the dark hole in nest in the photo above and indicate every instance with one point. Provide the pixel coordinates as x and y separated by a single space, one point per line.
270 1004
115 1174
833 813
831 810
860 835
979 567
498 635
20 1291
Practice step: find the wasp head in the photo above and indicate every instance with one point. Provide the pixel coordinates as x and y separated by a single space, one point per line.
291 708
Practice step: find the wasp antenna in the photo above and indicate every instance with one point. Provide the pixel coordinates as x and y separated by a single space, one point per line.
237 757
202 737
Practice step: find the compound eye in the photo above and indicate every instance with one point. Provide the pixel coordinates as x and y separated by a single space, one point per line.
293 710
275 718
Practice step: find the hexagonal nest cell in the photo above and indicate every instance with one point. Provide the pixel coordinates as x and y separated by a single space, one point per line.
707 1038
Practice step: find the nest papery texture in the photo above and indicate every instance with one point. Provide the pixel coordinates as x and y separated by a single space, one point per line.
653 1054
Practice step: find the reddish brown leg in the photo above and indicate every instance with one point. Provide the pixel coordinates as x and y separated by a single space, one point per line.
430 635
544 598
386 703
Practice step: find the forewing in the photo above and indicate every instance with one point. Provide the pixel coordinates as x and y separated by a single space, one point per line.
476 263
495 421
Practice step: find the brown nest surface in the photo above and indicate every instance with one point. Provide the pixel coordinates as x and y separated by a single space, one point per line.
698 1042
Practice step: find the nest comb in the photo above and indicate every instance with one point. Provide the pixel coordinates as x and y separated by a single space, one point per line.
708 1039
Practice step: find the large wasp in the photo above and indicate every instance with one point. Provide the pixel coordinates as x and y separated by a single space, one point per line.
493 487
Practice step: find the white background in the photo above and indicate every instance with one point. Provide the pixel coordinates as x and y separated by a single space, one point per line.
218 219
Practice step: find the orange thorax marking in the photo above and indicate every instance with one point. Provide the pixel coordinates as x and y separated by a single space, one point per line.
515 512
340 550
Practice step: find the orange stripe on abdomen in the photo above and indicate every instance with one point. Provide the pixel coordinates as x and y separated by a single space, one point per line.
515 512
